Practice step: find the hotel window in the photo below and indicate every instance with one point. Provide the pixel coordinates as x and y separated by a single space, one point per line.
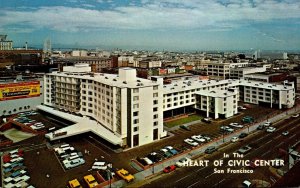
135 98
136 90
155 94
135 106
135 121
155 109
155 123
155 88
135 129
155 102
155 116
135 113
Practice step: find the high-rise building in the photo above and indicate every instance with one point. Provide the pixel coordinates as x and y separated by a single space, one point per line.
127 106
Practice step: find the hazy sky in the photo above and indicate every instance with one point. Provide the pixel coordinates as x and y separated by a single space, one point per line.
154 24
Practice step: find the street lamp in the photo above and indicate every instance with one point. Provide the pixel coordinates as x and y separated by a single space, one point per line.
109 174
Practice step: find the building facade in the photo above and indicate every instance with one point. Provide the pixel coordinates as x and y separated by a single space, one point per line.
19 95
181 95
129 107
5 44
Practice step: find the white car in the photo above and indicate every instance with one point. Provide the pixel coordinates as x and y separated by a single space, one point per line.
234 139
236 125
267 124
198 138
183 162
99 166
148 161
295 115
71 164
285 133
271 129
191 142
241 108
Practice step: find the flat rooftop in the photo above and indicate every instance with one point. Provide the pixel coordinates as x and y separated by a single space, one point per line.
79 127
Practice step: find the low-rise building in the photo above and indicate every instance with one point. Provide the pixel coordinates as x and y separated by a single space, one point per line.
237 73
20 94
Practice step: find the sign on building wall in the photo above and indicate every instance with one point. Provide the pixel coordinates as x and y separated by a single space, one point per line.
19 90
162 71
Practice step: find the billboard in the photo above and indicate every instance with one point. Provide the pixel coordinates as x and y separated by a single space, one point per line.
13 91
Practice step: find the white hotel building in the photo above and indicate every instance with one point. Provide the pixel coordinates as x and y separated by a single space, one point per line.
218 98
129 111
122 109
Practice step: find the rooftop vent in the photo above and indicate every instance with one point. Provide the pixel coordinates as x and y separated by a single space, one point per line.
124 82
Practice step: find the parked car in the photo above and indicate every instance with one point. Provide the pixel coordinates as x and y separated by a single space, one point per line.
223 128
244 149
183 162
207 138
166 153
210 149
236 125
90 181
207 120
169 168
172 150
73 163
243 135
260 127
191 142
234 139
241 108
267 124
124 174
154 157
185 127
74 184
295 115
198 138
99 166
285 133
271 129
248 119
227 129
142 161
148 161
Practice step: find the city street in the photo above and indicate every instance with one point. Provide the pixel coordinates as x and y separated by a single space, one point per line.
264 146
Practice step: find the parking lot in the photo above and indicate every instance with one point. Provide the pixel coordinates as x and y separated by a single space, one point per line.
44 167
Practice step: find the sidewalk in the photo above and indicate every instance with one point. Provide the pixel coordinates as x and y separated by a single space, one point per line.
153 173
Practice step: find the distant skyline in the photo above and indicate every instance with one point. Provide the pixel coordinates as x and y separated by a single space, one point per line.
154 24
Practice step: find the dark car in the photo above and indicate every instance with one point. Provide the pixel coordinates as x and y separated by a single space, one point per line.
142 161
210 149
185 127
154 157
260 127
243 135
169 168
